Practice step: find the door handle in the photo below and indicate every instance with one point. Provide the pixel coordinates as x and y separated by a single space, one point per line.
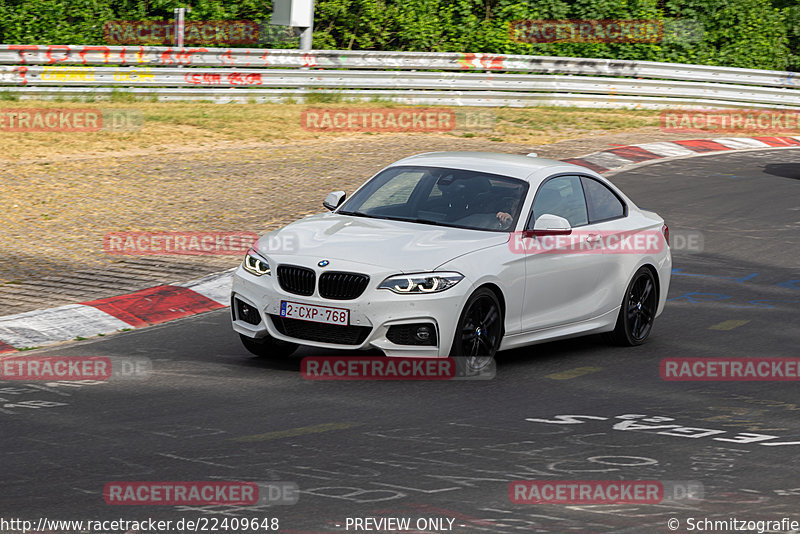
593 238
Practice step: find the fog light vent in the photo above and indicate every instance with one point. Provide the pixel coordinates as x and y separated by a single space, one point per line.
247 313
412 334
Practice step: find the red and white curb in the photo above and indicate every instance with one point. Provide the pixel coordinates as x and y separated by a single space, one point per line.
618 158
146 307
165 303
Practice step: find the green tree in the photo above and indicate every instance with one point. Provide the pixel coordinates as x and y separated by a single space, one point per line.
742 33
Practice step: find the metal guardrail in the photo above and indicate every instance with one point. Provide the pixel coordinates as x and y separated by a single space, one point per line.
409 97
241 74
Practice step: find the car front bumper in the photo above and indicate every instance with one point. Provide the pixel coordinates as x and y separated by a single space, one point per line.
372 314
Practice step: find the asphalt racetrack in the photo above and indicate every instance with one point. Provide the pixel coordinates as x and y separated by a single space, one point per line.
450 449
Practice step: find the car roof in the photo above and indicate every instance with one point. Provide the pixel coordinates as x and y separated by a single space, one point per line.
513 165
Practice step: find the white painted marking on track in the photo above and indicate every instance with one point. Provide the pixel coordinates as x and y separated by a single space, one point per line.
49 390
607 159
64 323
741 142
667 149
216 287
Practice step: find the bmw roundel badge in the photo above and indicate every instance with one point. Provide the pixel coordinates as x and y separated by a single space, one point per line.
323 263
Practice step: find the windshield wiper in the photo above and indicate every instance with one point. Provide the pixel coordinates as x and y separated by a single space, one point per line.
419 221
401 219
440 223
355 213
370 215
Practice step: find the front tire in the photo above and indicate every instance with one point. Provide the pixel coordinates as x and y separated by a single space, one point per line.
268 347
479 331
638 310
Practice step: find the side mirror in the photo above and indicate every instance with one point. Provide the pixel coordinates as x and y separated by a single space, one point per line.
333 199
548 224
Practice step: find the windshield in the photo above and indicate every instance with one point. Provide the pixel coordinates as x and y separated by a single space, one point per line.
444 197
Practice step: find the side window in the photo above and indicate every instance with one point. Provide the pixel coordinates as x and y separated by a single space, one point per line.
603 203
562 196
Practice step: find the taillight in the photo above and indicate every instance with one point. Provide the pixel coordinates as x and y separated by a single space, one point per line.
665 231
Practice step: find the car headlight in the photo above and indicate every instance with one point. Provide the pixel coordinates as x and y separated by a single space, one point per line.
255 263
421 282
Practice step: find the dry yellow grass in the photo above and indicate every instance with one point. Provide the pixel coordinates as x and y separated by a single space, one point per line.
191 126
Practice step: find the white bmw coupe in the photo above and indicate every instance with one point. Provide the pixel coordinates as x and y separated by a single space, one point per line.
457 254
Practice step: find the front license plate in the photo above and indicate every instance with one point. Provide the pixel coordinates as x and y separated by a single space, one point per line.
318 314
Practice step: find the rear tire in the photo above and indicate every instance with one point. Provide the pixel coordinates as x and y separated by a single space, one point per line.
268 347
637 312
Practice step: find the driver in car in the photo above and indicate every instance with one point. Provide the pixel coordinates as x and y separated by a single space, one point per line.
504 218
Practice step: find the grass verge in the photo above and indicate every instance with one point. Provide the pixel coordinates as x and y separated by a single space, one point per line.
168 125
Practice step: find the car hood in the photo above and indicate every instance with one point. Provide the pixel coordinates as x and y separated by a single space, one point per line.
404 246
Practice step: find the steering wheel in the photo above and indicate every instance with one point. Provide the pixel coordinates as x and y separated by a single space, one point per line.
501 224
